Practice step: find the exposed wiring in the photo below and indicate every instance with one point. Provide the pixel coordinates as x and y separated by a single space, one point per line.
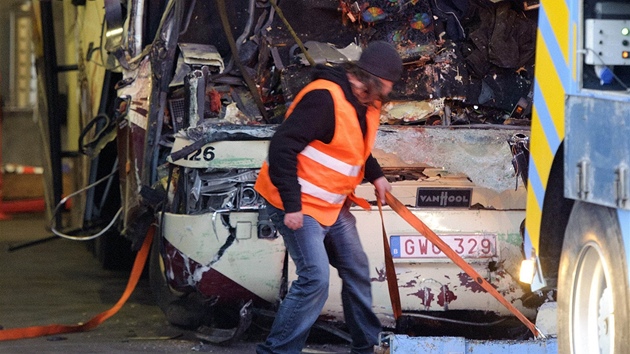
132 63
248 26
267 24
246 76
606 65
63 201
241 39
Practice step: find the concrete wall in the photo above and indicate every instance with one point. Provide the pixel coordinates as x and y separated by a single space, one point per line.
5 29
21 137
21 140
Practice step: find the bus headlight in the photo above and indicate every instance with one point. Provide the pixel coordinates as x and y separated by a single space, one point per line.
528 269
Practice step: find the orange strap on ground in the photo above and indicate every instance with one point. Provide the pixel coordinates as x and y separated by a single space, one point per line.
417 224
390 271
38 331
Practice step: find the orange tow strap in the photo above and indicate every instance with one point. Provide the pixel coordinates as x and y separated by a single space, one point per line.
390 271
38 331
417 224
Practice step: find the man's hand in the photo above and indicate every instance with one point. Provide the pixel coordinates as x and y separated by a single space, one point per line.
294 220
382 186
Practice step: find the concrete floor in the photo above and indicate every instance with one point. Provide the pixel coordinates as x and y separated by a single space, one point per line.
60 282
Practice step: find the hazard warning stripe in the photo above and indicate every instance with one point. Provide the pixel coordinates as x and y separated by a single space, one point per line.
554 66
22 170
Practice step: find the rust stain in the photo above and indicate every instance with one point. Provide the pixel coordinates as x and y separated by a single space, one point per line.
410 284
509 290
381 275
446 296
466 281
425 295
143 112
215 100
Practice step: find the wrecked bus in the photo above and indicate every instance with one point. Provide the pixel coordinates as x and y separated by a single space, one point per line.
194 90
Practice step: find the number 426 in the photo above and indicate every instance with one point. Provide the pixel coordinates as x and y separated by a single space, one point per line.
205 154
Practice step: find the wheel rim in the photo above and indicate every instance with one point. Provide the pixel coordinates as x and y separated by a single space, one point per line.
592 310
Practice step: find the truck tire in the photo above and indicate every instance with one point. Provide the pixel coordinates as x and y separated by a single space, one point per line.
593 295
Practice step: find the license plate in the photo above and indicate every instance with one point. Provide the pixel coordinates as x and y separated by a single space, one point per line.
476 246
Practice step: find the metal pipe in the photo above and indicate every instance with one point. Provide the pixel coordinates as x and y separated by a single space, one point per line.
52 95
248 26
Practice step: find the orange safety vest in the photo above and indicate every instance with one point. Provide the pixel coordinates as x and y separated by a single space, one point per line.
329 173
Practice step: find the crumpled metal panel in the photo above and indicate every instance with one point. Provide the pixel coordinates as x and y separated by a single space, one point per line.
252 262
131 136
198 55
323 53
483 154
410 111
223 154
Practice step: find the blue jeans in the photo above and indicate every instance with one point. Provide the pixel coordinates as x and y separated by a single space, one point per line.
312 248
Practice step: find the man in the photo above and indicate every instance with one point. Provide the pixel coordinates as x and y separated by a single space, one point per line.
317 157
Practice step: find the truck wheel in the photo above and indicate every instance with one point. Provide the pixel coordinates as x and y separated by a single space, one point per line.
593 295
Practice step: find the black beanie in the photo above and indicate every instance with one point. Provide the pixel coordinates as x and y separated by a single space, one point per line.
381 59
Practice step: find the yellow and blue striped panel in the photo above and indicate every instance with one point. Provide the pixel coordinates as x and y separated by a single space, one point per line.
555 77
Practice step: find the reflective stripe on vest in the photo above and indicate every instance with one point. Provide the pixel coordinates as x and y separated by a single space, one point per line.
331 162
320 193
